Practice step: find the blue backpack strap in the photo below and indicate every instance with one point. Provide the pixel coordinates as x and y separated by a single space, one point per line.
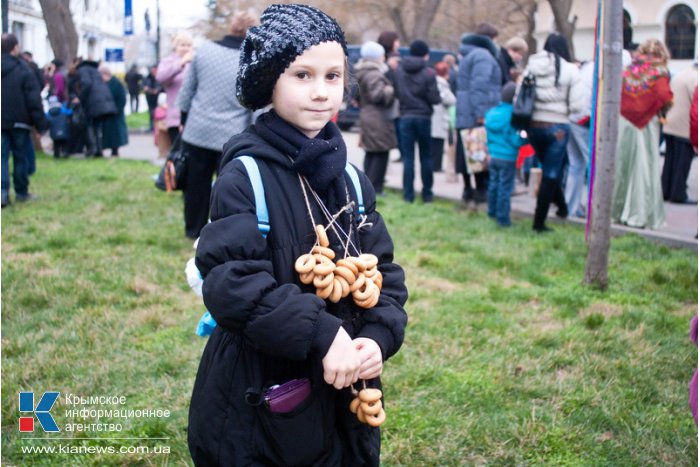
352 172
259 191
207 323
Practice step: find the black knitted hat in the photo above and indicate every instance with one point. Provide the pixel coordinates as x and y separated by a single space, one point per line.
285 32
419 48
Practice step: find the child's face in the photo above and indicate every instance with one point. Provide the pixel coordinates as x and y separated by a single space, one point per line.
310 91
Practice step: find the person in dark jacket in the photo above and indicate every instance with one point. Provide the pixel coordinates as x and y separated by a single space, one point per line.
478 89
151 88
509 58
416 88
133 81
114 131
21 111
97 102
59 120
271 327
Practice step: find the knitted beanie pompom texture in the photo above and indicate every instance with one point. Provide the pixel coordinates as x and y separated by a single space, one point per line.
285 32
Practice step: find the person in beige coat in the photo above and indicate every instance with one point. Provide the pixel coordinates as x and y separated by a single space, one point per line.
679 151
376 96
440 121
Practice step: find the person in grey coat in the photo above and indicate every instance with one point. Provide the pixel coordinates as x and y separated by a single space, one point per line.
211 114
478 89
376 95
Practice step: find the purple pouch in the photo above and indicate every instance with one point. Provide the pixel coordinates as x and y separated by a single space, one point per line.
284 398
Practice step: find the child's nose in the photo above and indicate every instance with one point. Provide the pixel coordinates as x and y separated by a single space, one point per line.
320 90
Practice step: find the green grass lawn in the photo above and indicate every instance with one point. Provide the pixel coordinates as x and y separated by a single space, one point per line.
137 121
508 360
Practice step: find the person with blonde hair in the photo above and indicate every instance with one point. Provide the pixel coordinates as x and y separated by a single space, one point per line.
509 58
646 94
211 114
171 74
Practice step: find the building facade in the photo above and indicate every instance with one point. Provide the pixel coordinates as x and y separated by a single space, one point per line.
672 21
99 24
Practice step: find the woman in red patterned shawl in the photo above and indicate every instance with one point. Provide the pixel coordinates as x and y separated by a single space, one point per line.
646 95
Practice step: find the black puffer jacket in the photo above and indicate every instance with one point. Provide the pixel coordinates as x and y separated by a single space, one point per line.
273 329
21 101
416 87
93 92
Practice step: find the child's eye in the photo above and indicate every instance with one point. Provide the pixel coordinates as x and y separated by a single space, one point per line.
333 76
302 75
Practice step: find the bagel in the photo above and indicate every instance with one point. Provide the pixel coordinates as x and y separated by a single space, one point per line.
361 416
370 395
325 251
354 405
322 236
337 293
369 260
359 282
365 291
304 263
371 408
324 268
325 293
307 278
345 291
371 272
345 273
348 264
359 264
375 420
371 302
378 280
321 282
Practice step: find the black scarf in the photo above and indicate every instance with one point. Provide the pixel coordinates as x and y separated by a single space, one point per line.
321 160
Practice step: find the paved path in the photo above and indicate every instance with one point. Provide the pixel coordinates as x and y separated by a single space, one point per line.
681 220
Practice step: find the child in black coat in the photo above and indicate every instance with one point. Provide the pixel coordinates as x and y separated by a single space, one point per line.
276 326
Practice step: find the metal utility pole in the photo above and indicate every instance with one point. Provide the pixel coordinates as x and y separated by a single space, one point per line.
5 18
610 87
157 31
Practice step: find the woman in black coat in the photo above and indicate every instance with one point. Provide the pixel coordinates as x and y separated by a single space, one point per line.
96 100
114 131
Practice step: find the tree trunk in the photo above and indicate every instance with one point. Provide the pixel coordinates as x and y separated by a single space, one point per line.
424 15
561 10
596 273
61 29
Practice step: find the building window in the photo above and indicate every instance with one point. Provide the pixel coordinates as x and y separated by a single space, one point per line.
18 30
680 32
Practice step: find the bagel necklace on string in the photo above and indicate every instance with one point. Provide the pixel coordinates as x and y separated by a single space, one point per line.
356 275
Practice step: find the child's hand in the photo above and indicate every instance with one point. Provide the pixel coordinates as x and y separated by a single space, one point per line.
341 365
370 357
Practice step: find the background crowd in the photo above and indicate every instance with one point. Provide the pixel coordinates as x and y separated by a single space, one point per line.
456 110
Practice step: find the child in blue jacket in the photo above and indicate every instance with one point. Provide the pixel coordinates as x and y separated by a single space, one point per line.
59 129
503 142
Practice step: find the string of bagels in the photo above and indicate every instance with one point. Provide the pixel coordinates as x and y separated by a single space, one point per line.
336 279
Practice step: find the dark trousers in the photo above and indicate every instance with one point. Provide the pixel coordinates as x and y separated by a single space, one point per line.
151 108
134 103
437 146
202 164
375 168
677 162
550 148
481 179
60 146
416 130
94 138
173 131
18 142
